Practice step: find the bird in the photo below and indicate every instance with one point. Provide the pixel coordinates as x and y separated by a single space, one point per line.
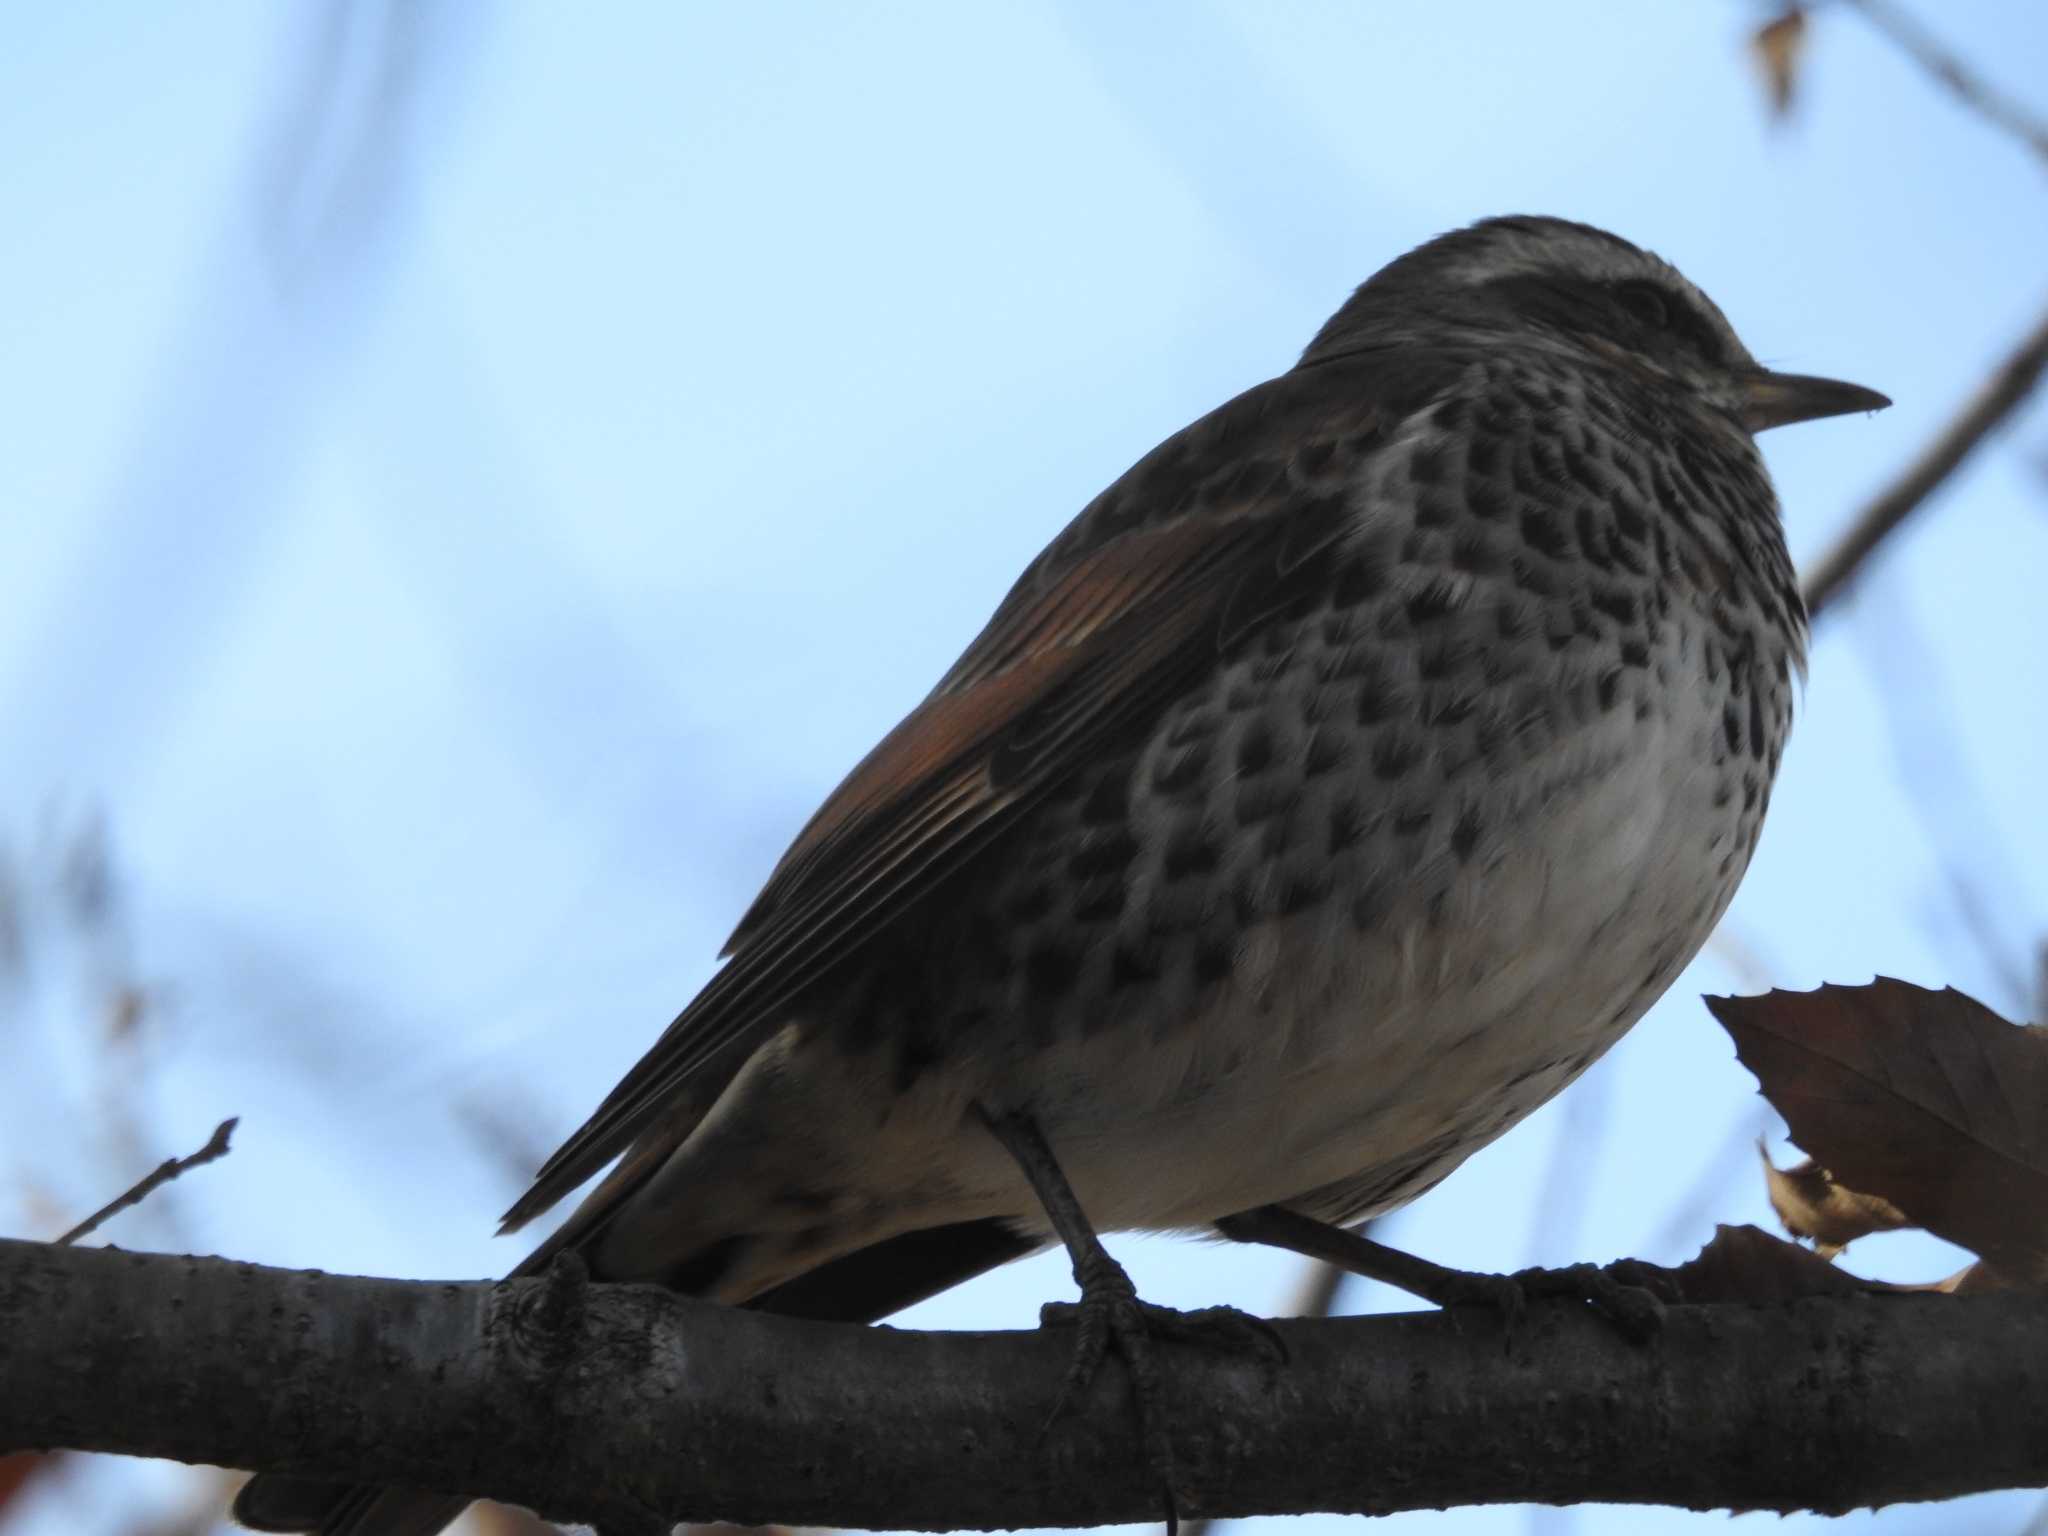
1336 788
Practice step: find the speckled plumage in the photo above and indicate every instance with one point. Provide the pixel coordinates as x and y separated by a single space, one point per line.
1477 794
1330 793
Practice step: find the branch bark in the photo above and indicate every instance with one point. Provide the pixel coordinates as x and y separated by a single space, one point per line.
629 1407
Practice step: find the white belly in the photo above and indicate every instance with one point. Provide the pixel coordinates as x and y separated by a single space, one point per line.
1348 1071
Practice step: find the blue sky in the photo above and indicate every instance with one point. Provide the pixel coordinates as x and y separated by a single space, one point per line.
460 518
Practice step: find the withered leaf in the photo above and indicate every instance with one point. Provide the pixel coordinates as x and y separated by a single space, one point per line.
1813 1205
1977 1280
1928 1100
1776 46
1747 1264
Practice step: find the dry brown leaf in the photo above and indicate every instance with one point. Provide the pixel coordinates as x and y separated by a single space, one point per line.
1777 46
1748 1264
1976 1279
1928 1100
494 1519
1828 1214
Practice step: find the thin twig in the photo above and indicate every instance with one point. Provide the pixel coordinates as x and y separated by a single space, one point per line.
216 1147
1925 736
1317 1290
1968 87
2000 395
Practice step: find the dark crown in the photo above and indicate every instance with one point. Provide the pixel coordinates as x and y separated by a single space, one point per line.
1528 275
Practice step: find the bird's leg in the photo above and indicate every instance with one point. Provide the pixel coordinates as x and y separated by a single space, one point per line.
1109 1312
1634 1311
1278 1227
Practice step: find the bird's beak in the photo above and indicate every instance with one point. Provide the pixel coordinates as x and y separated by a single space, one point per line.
1779 399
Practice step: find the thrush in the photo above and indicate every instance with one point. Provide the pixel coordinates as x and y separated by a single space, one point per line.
1330 793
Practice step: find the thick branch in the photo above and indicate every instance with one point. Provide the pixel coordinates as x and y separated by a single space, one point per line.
620 1404
2001 394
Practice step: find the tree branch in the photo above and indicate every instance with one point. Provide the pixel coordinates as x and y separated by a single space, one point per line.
1998 398
628 1405
216 1147
1964 83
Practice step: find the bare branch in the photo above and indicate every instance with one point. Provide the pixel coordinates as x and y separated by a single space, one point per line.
162 1174
2001 394
606 1402
1927 738
1970 88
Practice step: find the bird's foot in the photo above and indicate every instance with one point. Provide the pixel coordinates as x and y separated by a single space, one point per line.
1503 1295
1633 1311
1222 1330
1109 1316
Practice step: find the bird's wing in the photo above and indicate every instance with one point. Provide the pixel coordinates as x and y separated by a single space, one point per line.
1201 539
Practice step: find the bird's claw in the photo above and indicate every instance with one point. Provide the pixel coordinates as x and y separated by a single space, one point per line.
1223 1330
1633 1311
1502 1295
1110 1315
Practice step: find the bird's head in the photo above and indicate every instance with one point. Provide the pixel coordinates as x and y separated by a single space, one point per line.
1571 288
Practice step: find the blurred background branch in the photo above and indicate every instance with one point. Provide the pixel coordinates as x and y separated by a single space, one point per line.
1945 65
2011 384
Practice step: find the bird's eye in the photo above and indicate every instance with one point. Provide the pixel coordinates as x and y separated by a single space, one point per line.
1646 302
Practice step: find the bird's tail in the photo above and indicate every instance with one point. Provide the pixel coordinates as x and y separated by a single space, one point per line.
859 1287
